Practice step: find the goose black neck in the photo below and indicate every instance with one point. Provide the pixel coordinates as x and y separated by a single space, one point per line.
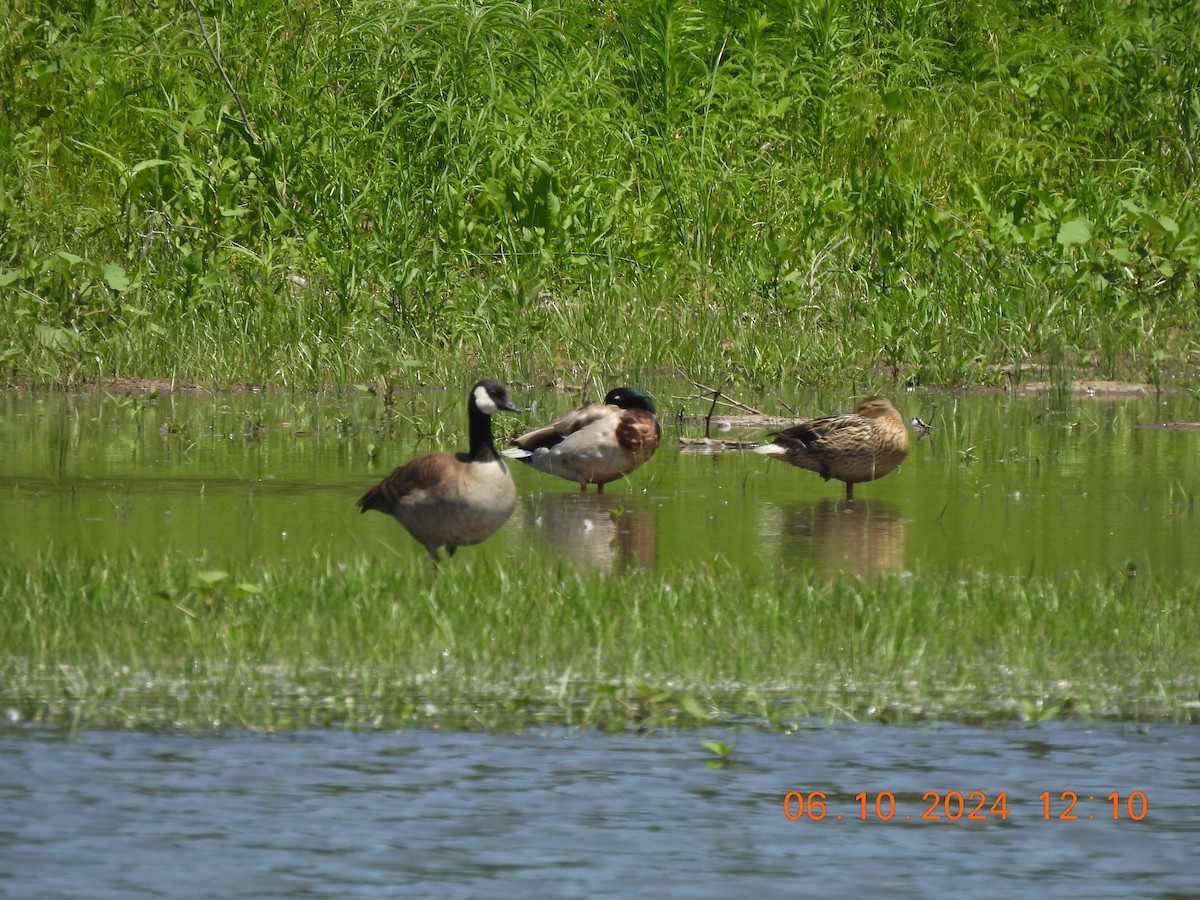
479 428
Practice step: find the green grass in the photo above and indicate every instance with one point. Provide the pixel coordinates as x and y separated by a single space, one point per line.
754 193
140 643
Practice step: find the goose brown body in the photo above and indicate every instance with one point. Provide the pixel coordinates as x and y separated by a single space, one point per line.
855 447
594 444
453 499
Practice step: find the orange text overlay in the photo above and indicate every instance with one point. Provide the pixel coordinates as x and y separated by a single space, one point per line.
967 806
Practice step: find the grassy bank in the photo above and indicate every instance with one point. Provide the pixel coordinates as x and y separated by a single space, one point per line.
140 643
322 193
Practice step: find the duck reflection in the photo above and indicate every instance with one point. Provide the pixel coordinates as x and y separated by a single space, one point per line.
608 531
840 537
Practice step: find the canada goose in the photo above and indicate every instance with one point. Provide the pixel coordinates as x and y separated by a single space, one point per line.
859 446
595 444
451 499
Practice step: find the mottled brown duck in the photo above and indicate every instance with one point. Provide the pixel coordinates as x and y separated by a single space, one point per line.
855 447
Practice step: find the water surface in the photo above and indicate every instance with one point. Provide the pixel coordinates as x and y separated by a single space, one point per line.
1050 485
570 814
1041 484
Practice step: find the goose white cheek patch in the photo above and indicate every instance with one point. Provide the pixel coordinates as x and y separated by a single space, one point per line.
484 402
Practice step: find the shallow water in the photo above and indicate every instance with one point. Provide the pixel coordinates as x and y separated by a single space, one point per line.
1012 484
569 814
1041 484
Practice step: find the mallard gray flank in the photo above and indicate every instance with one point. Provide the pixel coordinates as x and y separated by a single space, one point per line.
595 444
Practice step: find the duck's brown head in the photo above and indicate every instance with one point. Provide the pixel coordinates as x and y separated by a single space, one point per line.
878 408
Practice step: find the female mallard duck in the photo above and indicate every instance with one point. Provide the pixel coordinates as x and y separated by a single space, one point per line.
859 446
595 444
451 499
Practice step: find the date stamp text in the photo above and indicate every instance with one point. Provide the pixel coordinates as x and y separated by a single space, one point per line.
968 806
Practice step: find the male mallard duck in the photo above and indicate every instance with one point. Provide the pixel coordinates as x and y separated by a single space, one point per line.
859 446
451 499
595 444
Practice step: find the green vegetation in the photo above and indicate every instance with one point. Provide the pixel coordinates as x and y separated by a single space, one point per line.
365 191
388 193
142 643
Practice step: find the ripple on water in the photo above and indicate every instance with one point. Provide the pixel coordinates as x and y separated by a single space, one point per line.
581 814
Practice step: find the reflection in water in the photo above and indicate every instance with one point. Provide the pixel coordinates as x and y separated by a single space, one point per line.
1004 483
834 536
602 531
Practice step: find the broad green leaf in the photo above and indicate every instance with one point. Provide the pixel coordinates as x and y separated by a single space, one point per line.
692 707
1077 231
115 276
147 164
55 338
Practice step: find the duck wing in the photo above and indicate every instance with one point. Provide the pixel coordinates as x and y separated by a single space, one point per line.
565 426
827 432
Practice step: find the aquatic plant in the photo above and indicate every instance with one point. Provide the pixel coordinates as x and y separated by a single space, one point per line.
367 644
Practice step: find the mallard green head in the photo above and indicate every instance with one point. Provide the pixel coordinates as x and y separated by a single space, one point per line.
630 398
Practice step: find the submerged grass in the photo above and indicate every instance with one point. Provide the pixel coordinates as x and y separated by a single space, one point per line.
147 644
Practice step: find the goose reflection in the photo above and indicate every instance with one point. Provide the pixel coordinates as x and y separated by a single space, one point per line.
831 536
606 531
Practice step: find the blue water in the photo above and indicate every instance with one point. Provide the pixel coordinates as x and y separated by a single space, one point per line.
578 814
